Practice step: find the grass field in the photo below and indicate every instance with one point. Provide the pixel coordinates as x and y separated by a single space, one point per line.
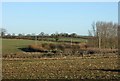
69 39
13 45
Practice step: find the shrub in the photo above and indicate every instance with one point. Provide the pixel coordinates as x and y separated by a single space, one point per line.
52 46
61 47
36 48
67 45
75 48
45 45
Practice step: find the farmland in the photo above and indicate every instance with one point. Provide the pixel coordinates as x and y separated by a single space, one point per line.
13 45
67 67
60 41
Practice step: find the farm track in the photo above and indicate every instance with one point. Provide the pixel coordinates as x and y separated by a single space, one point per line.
62 58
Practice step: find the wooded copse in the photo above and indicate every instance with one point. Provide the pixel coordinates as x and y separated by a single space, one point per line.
105 35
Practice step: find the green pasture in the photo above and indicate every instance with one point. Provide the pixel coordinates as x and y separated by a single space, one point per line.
67 39
73 39
13 45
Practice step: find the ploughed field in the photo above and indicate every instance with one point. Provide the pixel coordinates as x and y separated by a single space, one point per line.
21 65
94 67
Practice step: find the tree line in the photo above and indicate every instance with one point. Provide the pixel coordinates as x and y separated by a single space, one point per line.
41 37
101 35
42 34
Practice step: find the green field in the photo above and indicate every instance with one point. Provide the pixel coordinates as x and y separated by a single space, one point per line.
13 45
68 39
73 39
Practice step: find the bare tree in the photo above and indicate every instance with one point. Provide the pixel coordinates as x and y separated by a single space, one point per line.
56 36
105 34
2 32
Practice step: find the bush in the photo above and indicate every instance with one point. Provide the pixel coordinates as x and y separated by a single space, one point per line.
68 46
75 48
61 47
52 46
46 46
36 48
